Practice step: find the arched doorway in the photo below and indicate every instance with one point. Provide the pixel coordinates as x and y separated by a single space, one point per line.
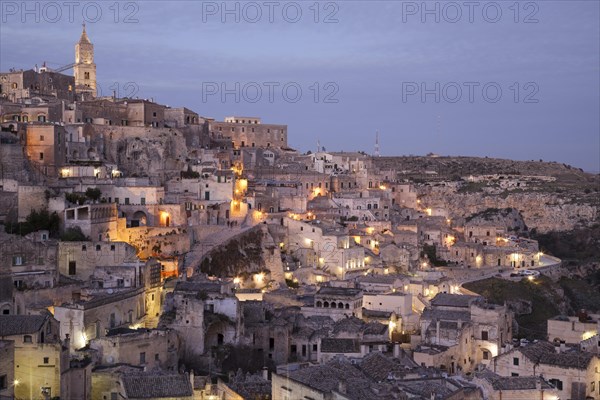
139 219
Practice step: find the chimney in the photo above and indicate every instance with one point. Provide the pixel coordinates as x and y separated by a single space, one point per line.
459 323
563 347
192 378
437 331
396 350
265 373
342 386
557 347
538 384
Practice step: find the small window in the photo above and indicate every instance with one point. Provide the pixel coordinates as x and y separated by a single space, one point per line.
46 360
484 335
72 267
3 382
515 361
41 156
27 339
557 383
142 358
98 247
41 138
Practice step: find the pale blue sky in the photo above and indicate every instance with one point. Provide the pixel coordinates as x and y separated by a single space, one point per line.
372 49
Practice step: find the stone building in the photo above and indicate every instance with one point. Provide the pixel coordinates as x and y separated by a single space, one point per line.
150 348
78 260
572 372
574 329
336 303
459 332
206 314
18 85
515 387
7 369
129 382
40 358
96 221
29 261
85 319
249 132
45 147
326 247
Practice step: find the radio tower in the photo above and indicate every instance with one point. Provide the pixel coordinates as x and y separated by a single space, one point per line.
377 144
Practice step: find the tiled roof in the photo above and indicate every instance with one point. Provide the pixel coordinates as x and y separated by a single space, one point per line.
20 324
338 291
149 386
250 386
350 325
452 300
190 286
374 328
377 366
445 315
325 378
341 346
545 353
376 313
383 279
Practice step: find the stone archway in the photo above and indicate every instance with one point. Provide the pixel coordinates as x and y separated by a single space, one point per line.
139 218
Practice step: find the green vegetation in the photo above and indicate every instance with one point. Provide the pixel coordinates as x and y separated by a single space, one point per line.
582 244
488 213
190 174
93 194
35 221
76 198
73 235
583 293
472 187
541 292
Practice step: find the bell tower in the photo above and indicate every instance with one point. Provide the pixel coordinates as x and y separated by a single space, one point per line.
85 69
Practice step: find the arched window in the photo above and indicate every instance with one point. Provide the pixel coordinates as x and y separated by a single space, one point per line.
347 306
333 305
326 304
340 305
319 304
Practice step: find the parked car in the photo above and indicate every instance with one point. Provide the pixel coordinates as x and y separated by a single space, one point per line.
528 272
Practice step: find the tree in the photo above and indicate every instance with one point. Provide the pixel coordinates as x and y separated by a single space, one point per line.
73 234
36 221
93 194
